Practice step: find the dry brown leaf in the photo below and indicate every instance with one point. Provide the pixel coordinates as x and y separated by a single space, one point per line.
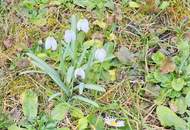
168 66
124 55
98 36
8 42
23 63
187 36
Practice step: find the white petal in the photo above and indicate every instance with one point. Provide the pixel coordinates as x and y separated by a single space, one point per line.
100 54
83 25
120 123
79 72
69 36
111 121
54 46
50 43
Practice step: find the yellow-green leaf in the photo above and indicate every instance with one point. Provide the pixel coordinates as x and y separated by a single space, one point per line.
30 104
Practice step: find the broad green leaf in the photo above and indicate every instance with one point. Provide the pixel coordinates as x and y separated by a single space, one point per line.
86 100
164 5
168 118
181 105
161 78
94 87
30 105
187 70
96 122
183 54
187 99
14 127
158 58
110 4
83 123
178 84
49 70
59 112
133 4
76 112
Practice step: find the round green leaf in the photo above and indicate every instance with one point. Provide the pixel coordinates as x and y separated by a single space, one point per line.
59 112
177 84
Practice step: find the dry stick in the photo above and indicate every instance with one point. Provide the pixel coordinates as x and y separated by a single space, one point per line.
109 91
151 109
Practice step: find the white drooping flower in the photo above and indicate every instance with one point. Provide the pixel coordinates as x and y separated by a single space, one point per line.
83 25
110 121
100 54
79 73
50 43
69 36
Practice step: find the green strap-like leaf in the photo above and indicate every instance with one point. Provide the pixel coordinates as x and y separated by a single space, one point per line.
48 70
86 100
94 87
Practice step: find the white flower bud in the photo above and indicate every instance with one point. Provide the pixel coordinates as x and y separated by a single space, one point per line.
69 36
50 43
100 54
79 73
83 25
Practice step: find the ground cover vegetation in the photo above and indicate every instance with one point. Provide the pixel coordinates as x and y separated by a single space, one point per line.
94 65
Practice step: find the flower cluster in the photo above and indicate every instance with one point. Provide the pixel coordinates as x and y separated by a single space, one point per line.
82 25
70 36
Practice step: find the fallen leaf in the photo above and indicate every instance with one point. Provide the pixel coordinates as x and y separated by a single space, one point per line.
110 19
23 63
8 42
187 36
9 1
124 55
15 114
118 14
167 66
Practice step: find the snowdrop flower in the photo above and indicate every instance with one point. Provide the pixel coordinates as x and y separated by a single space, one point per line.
69 36
114 122
50 43
100 54
83 25
79 73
